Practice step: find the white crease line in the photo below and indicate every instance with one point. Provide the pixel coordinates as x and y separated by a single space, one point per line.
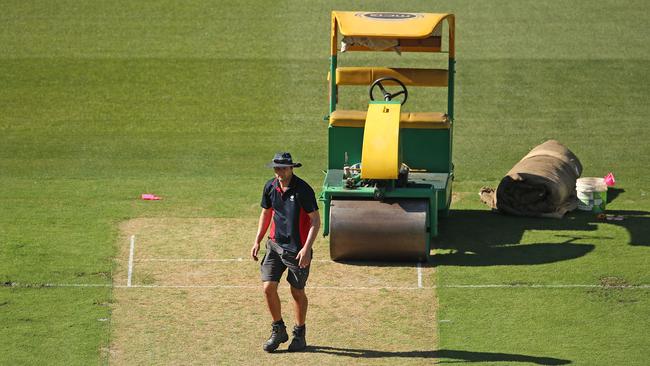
363 288
419 275
40 285
187 260
207 260
128 281
194 286
205 286
260 286
495 286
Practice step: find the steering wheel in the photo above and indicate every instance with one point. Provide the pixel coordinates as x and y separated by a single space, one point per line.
388 96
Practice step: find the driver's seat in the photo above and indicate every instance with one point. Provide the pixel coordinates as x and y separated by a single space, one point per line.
428 120
362 76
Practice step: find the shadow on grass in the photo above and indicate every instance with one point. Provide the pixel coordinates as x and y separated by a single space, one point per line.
637 223
613 193
440 355
485 238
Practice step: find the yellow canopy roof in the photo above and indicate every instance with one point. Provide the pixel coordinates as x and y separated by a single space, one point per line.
388 25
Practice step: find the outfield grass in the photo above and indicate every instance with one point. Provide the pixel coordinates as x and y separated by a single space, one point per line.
101 102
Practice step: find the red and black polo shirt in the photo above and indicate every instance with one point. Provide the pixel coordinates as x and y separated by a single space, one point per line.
290 224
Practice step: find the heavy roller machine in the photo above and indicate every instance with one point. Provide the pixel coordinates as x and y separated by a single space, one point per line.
389 171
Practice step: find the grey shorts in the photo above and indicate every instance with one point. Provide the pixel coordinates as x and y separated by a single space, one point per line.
274 264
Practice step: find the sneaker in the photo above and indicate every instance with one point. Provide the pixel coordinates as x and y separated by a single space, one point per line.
278 335
298 343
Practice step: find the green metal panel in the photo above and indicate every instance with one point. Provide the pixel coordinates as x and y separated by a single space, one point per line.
444 196
342 140
450 108
450 88
426 149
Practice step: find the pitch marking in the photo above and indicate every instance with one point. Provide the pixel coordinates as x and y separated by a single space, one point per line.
502 286
128 281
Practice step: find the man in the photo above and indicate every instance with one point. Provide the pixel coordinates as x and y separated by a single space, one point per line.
289 206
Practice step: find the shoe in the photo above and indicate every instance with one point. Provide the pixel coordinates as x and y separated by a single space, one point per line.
278 335
298 343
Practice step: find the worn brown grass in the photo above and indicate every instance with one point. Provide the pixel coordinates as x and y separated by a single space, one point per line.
358 314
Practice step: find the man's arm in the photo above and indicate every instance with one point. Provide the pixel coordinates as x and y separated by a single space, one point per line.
304 255
262 226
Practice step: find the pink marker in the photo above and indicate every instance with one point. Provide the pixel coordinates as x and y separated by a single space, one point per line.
150 197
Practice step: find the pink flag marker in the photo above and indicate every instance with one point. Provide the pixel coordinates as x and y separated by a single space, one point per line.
150 197
609 179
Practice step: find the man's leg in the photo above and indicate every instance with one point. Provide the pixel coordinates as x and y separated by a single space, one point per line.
273 300
279 331
300 304
272 269
297 278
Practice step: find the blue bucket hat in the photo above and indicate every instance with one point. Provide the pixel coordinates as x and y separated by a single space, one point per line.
283 160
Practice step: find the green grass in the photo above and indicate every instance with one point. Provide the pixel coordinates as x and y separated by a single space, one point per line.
62 326
585 326
101 102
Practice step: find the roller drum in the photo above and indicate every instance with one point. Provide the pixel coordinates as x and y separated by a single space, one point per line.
394 230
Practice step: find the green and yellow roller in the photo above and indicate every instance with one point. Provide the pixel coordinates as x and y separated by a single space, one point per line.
389 170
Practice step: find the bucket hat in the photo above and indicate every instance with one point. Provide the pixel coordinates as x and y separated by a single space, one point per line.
283 160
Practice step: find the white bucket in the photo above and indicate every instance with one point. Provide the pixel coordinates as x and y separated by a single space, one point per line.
592 194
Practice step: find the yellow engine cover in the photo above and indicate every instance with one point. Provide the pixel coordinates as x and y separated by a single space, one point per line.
380 151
